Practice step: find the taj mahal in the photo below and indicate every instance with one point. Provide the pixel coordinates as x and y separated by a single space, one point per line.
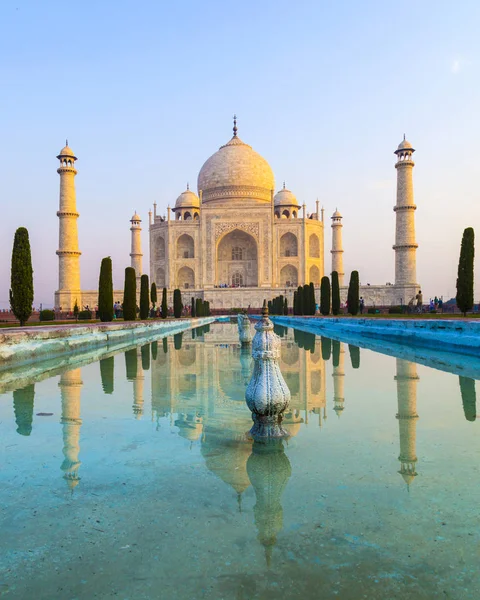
237 241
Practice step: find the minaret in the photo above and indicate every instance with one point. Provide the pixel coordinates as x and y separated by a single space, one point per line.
407 379
136 253
337 246
339 382
405 246
69 289
70 389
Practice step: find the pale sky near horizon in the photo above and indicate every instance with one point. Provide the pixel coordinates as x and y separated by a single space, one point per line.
145 93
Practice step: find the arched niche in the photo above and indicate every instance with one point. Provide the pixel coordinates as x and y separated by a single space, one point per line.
289 354
186 278
289 276
160 248
187 355
237 256
185 246
314 246
314 274
160 278
288 244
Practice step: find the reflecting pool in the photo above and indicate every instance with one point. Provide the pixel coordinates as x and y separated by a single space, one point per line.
133 477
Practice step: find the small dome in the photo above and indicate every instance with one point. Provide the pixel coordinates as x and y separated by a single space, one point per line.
337 214
66 151
285 198
135 217
404 145
187 200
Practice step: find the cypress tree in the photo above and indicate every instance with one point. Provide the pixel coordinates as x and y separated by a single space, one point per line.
177 303
285 307
354 356
154 350
270 307
23 409
207 308
335 293
469 397
144 297
105 291
131 362
21 282
335 353
145 351
307 308
313 302
465 272
164 309
107 366
193 312
198 307
300 300
295 303
153 294
130 295
353 294
325 296
326 348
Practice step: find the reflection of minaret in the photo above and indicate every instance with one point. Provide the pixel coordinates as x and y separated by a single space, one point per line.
138 387
269 470
339 382
70 390
407 379
23 408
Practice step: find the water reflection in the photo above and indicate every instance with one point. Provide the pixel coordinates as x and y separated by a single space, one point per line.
469 398
407 380
23 409
107 374
70 392
338 359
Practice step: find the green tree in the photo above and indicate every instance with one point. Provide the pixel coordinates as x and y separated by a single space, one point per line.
105 291
199 307
177 303
207 308
307 305
335 353
193 312
285 307
154 350
130 295
354 356
76 310
131 364
270 307
177 340
335 293
164 309
326 348
21 283
295 303
325 296
145 352
144 297
353 294
153 294
107 370
465 272
301 305
313 301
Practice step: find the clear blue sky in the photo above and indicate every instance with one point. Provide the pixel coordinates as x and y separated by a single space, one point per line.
323 90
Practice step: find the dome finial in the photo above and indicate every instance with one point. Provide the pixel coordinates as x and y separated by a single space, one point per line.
188 186
404 137
283 185
66 142
235 126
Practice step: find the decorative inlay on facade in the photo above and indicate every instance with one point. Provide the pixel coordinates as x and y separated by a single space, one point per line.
251 228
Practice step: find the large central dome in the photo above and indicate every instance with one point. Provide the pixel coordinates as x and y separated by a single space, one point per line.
236 171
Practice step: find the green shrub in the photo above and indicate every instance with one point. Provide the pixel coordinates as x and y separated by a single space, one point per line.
47 315
177 303
372 311
353 298
85 315
153 294
325 296
464 295
164 308
130 295
395 310
335 293
144 297
105 291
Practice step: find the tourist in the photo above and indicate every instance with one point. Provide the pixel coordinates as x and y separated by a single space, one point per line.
419 298
440 305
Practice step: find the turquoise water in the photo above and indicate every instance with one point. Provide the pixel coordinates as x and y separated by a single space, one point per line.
133 477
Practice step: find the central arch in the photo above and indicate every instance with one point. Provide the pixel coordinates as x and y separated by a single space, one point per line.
237 260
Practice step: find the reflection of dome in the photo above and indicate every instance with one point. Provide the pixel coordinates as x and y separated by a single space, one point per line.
187 200
190 427
236 170
227 458
285 198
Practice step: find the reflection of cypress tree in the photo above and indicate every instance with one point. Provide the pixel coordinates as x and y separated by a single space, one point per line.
326 348
311 342
354 356
107 374
131 364
206 328
335 353
297 336
279 330
165 345
469 397
145 351
305 340
154 350
177 341
23 408
193 334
